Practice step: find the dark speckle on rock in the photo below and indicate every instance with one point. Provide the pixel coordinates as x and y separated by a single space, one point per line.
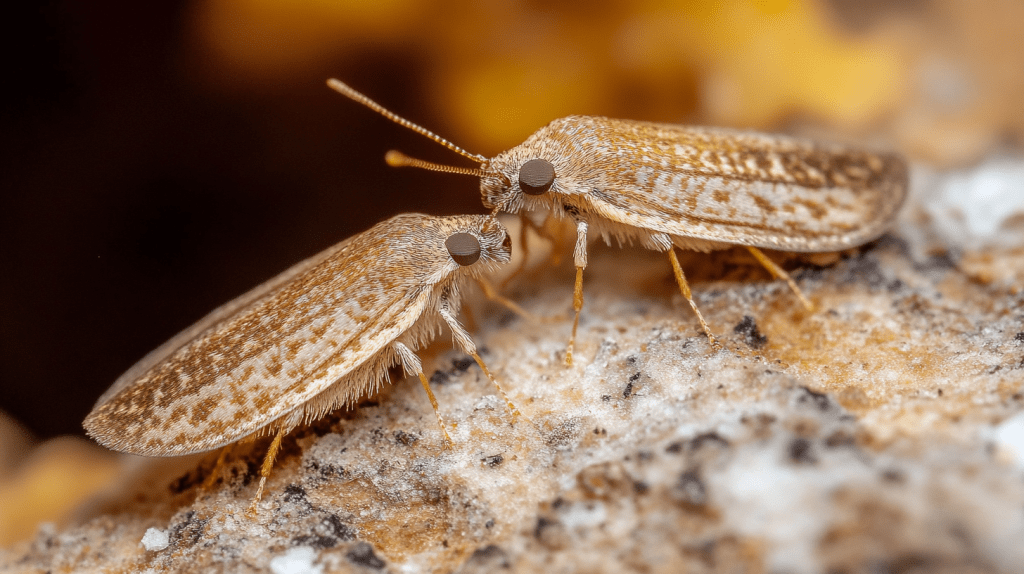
943 260
315 541
800 451
707 439
542 523
690 489
294 493
189 531
840 438
819 400
751 335
485 560
337 528
462 365
493 460
894 476
362 554
629 385
404 438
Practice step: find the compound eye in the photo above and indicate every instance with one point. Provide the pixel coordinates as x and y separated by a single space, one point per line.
463 247
536 176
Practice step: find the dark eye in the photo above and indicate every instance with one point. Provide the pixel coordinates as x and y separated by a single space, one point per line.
536 176
463 247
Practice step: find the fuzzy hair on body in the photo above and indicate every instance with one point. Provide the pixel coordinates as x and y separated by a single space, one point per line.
317 337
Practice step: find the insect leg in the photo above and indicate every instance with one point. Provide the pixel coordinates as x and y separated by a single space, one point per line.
684 288
411 364
778 273
491 293
542 231
524 249
580 258
215 471
268 464
464 341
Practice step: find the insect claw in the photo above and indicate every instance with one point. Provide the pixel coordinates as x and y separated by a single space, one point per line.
253 509
714 343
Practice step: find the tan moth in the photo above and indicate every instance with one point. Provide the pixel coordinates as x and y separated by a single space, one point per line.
317 337
663 186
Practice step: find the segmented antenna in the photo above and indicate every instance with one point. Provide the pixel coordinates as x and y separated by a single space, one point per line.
398 159
345 90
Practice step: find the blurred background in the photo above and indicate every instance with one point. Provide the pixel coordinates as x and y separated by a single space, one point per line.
160 158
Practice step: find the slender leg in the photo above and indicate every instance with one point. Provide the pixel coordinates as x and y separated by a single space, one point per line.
524 248
555 240
464 341
577 306
491 293
580 258
216 470
508 402
411 364
779 273
437 411
268 464
684 288
543 232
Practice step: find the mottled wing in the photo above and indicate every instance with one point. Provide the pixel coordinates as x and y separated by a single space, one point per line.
213 319
737 187
261 355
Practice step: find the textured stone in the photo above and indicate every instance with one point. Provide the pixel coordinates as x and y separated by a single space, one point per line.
874 434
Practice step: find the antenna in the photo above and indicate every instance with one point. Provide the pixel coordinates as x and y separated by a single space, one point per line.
345 90
398 159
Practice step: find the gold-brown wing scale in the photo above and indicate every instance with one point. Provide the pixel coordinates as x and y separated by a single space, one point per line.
712 185
326 323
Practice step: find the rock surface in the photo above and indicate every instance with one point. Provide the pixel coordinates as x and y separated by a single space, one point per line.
879 433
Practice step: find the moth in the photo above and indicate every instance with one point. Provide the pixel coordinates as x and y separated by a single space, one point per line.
666 186
315 338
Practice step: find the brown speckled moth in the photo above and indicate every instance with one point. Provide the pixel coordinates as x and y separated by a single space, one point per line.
663 186
317 337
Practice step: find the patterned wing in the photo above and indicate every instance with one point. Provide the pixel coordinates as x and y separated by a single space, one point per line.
267 352
735 187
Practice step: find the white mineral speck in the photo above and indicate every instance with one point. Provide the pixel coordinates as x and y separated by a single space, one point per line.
581 515
975 203
155 539
1010 437
296 561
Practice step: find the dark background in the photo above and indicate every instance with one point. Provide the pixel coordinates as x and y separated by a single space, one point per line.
158 159
135 198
